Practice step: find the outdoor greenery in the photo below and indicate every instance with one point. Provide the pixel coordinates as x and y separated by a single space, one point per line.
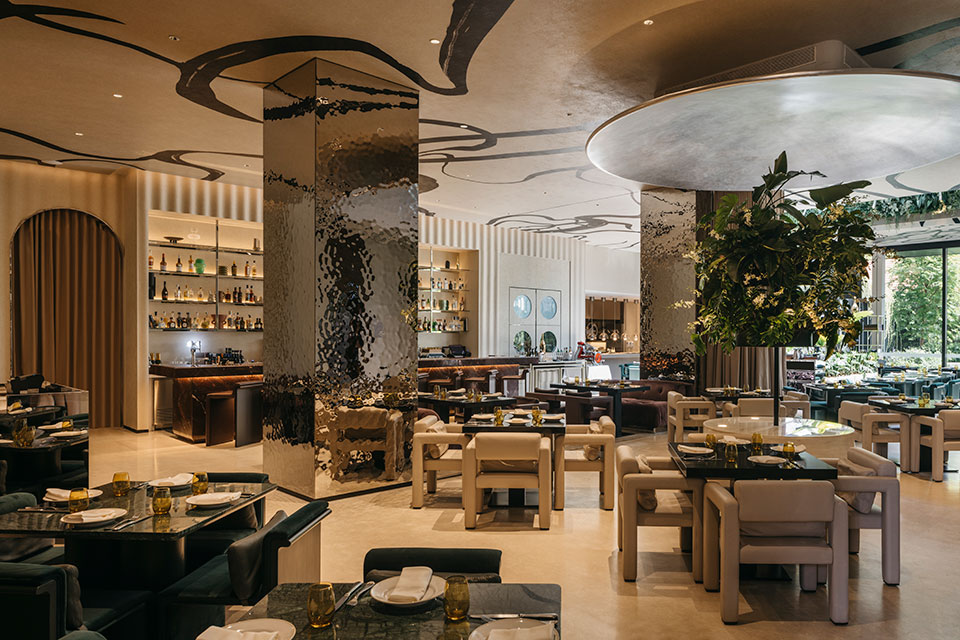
915 323
767 272
850 363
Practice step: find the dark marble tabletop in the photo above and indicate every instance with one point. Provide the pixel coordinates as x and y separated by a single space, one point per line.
807 467
548 427
600 386
487 401
48 443
911 407
371 620
182 520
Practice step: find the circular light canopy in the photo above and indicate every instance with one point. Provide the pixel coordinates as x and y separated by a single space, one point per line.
851 124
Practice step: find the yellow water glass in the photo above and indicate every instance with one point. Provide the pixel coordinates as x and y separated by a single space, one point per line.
948 399
24 434
576 380
320 605
79 500
537 416
731 452
200 483
710 440
162 501
121 483
789 449
756 440
498 416
456 598
903 396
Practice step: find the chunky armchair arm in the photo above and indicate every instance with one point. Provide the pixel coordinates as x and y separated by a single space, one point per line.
597 439
421 439
634 482
721 527
696 405
33 599
730 409
928 421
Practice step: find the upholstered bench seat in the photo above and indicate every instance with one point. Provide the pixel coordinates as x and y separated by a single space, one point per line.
104 607
208 584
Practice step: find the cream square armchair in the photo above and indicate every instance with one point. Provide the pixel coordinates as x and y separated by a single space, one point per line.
944 436
586 448
678 503
433 451
506 461
876 431
686 413
775 522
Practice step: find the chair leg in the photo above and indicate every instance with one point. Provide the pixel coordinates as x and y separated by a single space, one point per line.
620 529
431 481
936 460
628 537
808 577
711 547
905 458
416 478
729 583
822 572
559 487
608 477
853 540
686 539
545 505
890 537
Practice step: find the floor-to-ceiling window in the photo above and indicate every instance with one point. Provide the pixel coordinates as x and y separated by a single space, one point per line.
914 322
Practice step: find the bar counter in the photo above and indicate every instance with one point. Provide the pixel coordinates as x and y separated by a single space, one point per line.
192 385
486 374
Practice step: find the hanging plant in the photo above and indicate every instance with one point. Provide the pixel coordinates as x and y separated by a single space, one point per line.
767 272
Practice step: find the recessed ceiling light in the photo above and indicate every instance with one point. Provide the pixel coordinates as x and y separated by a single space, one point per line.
52 163
434 41
648 22
77 133
118 95
173 37
246 165
463 126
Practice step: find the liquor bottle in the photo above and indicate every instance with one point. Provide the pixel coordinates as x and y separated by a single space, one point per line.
152 321
179 320
179 265
190 264
253 296
463 325
150 260
179 293
163 262
186 321
254 273
229 321
233 269
246 269
163 293
200 296
189 293
248 324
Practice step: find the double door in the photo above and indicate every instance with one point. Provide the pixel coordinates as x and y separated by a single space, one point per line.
535 322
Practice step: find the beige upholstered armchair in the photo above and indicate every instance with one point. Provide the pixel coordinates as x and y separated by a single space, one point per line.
432 451
790 406
686 413
863 474
367 429
586 448
851 414
653 493
505 461
763 407
775 522
876 429
944 436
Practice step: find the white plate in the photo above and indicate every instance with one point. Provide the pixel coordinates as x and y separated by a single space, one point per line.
520 412
68 434
798 448
17 412
731 440
384 588
518 420
483 416
91 493
158 483
212 500
554 417
102 517
767 460
481 632
943 405
695 451
283 629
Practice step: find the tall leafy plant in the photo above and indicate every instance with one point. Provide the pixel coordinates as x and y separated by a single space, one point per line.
767 271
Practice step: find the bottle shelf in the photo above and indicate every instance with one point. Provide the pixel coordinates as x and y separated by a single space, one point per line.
426 267
188 274
243 304
208 330
181 245
257 278
170 301
445 331
441 290
241 252
442 311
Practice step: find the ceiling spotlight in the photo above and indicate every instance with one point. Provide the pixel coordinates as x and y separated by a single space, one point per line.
77 133
52 163
463 126
648 22
118 95
434 41
173 37
246 165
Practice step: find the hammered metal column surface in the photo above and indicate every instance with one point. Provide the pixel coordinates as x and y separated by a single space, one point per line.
340 232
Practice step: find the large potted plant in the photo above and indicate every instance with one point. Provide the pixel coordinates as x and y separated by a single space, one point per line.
782 269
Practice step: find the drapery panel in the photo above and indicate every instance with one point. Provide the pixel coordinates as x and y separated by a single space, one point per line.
67 310
746 367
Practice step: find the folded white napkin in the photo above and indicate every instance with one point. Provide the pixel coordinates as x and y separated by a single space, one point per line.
174 481
729 440
52 427
496 394
460 390
92 515
686 449
219 633
57 495
64 434
412 585
540 632
217 497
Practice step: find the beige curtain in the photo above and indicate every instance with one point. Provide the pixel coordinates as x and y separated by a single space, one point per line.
67 307
746 367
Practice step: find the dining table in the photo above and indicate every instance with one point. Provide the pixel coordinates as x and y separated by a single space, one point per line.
831 393
42 458
370 618
613 389
733 394
35 416
820 437
804 466
468 407
148 551
912 408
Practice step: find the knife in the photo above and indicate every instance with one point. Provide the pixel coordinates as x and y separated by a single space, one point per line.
355 600
349 594
127 523
509 616
42 510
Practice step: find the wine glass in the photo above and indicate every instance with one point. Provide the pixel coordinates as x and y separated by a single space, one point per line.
320 605
79 500
162 501
121 483
498 416
730 451
200 483
456 598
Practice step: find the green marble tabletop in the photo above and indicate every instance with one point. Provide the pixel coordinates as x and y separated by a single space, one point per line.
371 620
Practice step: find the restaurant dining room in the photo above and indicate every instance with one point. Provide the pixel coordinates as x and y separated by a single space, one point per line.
479 319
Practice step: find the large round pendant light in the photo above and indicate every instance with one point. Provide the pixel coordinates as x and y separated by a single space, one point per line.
849 124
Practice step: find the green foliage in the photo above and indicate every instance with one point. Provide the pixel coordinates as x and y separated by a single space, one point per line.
850 363
915 322
767 271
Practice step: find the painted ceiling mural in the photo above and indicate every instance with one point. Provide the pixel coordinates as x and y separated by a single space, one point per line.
509 89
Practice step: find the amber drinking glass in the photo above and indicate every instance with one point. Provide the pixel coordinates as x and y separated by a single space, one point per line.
121 483
711 441
731 452
456 598
789 450
903 396
161 500
200 483
320 605
79 500
498 416
23 434
436 390
66 424
756 441
537 416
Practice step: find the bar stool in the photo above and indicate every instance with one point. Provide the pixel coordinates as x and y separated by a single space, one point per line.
513 384
476 382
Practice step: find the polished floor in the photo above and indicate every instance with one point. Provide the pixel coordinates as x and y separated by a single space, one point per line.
579 552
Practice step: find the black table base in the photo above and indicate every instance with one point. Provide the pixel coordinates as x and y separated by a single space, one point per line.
130 564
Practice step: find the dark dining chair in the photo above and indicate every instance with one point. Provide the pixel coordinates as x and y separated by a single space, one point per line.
214 538
248 570
477 565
